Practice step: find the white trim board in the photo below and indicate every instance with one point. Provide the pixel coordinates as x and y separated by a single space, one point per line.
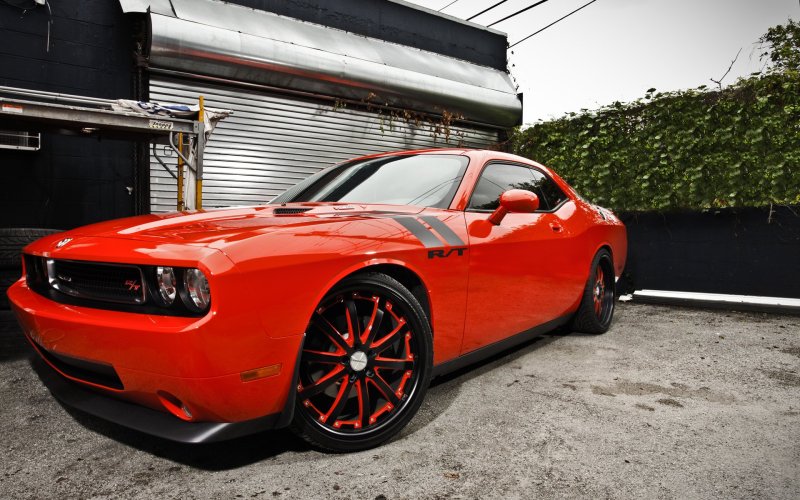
719 300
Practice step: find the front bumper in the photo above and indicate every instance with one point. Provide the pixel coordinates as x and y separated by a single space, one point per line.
198 362
147 420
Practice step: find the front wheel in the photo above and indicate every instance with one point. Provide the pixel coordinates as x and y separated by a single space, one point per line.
597 303
366 364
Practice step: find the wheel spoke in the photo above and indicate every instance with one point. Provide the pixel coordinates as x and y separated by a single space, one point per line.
385 389
341 400
393 364
364 411
353 323
389 339
331 332
322 357
323 383
374 324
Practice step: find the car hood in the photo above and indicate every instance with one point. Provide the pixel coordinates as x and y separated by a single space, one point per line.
220 227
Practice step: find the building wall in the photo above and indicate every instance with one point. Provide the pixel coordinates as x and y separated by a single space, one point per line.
71 181
396 22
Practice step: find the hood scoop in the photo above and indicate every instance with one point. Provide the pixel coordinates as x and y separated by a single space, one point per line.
289 211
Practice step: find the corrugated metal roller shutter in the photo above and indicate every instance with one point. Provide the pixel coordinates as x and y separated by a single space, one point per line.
272 141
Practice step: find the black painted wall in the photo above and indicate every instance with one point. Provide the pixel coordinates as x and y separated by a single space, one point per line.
71 181
743 251
397 23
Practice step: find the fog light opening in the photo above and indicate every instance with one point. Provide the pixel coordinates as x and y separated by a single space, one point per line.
174 405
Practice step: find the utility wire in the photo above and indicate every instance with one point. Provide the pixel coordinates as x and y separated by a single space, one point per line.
448 5
554 22
529 7
486 10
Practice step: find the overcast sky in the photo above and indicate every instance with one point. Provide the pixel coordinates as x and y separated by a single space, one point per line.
617 49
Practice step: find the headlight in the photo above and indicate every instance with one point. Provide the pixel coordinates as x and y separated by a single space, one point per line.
198 296
167 284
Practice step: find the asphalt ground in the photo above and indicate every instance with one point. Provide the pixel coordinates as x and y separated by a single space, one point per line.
671 403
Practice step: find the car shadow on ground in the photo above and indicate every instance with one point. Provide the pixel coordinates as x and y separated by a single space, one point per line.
264 446
445 388
221 456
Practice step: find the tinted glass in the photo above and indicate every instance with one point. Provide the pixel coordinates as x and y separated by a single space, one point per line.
423 180
550 195
498 178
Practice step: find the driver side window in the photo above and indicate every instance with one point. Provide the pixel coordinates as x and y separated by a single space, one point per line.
496 179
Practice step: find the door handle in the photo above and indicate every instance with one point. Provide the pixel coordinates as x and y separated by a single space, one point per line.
556 227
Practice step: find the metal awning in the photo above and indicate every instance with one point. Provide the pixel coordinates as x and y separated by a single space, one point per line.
91 116
217 39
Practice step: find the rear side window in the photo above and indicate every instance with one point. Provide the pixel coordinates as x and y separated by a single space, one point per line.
550 195
498 178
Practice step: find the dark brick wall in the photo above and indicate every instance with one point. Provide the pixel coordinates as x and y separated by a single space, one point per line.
397 23
71 181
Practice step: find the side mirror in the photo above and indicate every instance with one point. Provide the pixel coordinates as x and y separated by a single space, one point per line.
514 201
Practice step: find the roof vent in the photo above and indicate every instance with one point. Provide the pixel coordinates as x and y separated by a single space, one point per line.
20 140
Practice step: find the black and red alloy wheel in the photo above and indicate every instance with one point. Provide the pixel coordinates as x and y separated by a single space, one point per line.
365 364
596 309
603 294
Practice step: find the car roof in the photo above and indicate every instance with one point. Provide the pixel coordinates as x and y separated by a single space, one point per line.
459 151
456 151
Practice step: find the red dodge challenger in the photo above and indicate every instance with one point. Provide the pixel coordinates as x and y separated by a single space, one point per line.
329 309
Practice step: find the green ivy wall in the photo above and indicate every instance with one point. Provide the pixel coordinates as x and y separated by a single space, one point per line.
689 149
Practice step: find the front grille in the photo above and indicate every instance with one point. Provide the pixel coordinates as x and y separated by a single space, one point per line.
289 211
81 369
101 285
94 281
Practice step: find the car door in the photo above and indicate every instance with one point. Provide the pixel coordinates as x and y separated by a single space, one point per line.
518 277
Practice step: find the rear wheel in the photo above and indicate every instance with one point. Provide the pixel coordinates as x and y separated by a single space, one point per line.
365 366
597 304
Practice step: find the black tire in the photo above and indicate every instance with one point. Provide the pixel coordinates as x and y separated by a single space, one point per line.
7 278
592 317
12 241
356 379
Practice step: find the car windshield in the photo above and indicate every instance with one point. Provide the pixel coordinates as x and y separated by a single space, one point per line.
428 180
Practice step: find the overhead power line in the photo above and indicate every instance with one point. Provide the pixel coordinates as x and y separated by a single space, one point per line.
554 22
487 10
529 7
448 5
